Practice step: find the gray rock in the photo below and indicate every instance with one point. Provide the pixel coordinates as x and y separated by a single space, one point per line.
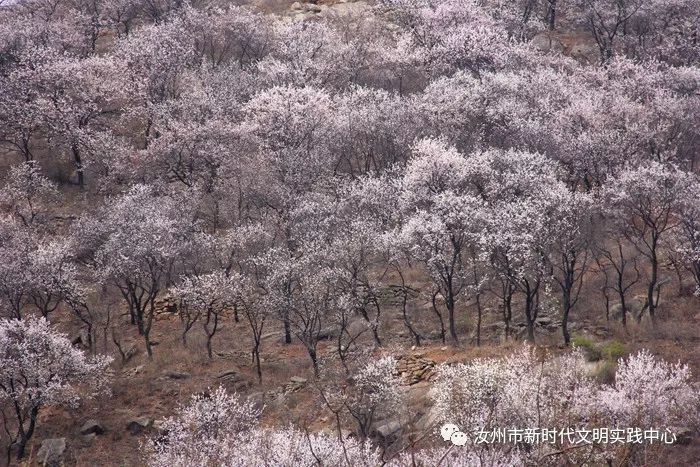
684 436
277 400
358 326
130 352
51 452
138 425
584 51
272 335
546 43
257 399
241 386
92 427
635 306
433 335
81 339
329 332
178 375
543 321
389 429
131 372
235 380
520 333
427 421
295 383
230 377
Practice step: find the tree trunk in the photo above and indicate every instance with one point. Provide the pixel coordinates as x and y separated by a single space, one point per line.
451 316
551 14
26 435
78 165
652 283
314 360
566 287
478 319
437 312
530 311
287 328
210 334
565 324
375 331
149 348
507 307
256 355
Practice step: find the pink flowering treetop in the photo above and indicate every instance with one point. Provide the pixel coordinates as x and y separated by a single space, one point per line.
40 368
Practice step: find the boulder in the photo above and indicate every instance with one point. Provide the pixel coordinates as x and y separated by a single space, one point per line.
295 383
433 335
545 42
51 452
92 427
257 399
498 326
82 339
272 335
584 51
520 333
231 377
415 368
427 421
329 332
234 379
138 425
635 306
388 430
684 436
241 385
276 399
178 375
131 372
358 326
543 321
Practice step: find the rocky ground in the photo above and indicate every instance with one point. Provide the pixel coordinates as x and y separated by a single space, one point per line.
109 431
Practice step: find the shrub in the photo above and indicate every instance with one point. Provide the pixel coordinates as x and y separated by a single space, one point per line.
613 350
651 392
605 372
588 346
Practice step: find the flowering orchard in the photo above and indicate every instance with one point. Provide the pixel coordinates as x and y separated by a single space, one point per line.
477 171
558 411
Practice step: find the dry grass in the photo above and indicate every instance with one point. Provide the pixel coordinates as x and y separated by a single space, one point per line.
150 393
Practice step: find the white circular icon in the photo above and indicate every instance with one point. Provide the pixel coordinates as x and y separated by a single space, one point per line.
447 430
458 438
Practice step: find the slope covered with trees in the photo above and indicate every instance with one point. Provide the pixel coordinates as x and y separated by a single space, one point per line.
318 189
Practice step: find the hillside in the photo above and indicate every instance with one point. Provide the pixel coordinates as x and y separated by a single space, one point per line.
392 232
